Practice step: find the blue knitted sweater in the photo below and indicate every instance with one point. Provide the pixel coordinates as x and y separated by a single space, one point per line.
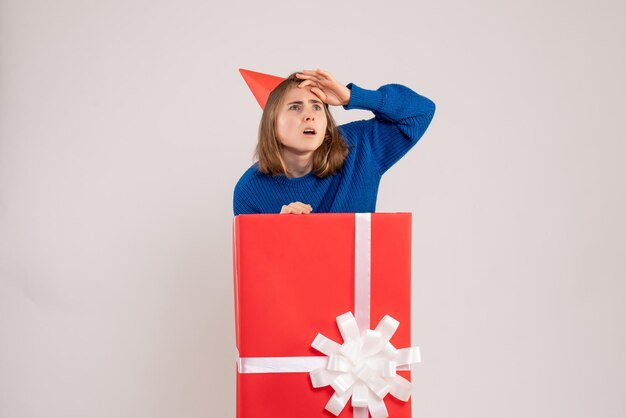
401 117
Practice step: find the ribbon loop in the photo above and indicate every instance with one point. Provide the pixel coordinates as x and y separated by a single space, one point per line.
389 368
325 345
400 388
343 382
387 327
377 407
322 377
359 396
373 342
409 355
336 403
379 386
351 349
347 327
338 363
389 352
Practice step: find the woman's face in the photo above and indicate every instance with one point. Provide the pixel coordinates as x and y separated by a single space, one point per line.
301 122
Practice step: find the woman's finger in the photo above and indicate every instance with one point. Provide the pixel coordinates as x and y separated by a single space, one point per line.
319 93
288 209
306 76
316 75
326 74
311 80
296 208
303 207
291 208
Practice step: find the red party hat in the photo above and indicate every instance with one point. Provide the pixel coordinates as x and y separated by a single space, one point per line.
260 84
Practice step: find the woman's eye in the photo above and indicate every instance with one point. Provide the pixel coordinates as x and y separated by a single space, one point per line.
317 107
294 107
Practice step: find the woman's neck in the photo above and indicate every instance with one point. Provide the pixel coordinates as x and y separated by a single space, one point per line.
299 165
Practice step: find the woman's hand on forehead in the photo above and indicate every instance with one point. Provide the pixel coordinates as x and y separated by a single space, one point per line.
324 86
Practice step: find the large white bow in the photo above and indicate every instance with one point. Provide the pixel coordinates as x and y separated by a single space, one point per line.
364 366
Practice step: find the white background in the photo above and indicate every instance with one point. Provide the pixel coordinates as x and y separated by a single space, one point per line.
124 126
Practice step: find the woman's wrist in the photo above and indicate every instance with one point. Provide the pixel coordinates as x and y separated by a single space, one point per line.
347 96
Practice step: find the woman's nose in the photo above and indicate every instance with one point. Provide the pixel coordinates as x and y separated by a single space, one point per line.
309 116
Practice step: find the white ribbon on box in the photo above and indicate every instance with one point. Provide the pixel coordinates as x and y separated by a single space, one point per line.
364 366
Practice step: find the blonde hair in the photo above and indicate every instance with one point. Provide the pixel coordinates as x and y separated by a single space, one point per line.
326 160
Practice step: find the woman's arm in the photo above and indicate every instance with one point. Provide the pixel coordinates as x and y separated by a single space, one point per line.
401 116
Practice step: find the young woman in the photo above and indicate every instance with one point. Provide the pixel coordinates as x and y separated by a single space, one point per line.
307 163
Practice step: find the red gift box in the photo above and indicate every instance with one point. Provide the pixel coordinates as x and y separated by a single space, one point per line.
293 276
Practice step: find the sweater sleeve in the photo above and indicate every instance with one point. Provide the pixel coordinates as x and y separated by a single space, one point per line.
401 117
243 195
241 205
